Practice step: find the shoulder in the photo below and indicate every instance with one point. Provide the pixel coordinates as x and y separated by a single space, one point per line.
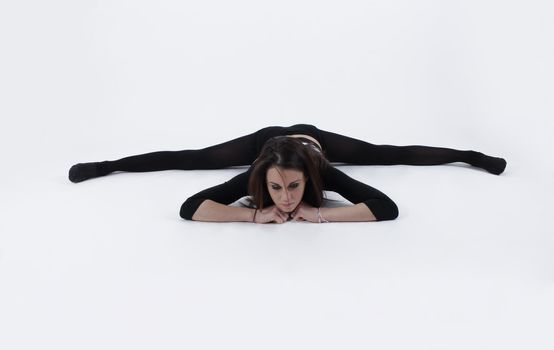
336 180
329 172
330 175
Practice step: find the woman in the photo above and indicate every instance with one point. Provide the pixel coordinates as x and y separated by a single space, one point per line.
290 167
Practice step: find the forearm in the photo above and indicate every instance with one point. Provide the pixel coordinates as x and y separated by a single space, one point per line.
217 212
358 212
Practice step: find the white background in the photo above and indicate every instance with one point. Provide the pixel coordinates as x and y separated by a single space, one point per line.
109 264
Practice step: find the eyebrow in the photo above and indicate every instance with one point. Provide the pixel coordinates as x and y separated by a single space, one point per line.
289 184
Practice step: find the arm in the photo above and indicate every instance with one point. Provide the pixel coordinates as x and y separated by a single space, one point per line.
211 204
357 212
213 211
370 203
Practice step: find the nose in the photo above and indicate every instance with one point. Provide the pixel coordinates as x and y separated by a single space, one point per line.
286 196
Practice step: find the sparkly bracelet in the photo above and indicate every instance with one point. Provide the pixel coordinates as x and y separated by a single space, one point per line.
320 218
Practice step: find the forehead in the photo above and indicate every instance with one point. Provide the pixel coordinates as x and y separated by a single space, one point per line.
276 174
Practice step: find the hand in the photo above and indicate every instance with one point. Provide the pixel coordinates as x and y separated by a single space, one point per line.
270 214
305 212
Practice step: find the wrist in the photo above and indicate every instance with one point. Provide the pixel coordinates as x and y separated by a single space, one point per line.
320 216
254 215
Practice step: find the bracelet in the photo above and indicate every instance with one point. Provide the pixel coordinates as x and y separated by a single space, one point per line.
320 218
254 217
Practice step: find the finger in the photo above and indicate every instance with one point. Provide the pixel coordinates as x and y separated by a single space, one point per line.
278 218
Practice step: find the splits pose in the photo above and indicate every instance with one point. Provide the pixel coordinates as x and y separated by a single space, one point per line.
289 168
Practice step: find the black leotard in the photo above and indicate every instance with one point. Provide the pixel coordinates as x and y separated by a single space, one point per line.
244 150
382 207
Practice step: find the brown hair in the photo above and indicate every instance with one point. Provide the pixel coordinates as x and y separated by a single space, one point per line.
288 153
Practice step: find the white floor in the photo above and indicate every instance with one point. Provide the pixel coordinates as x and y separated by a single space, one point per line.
109 264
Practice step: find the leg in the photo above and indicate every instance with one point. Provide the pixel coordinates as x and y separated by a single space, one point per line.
240 151
349 150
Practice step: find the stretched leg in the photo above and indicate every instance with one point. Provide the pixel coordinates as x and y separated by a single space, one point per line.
240 151
345 149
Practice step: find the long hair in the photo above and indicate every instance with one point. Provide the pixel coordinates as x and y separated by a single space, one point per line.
287 153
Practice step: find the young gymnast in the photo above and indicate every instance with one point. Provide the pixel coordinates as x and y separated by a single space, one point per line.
289 168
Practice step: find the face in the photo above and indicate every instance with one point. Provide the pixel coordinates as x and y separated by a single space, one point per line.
286 187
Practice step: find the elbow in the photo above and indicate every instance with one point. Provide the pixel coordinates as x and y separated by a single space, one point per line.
185 211
383 209
392 212
189 207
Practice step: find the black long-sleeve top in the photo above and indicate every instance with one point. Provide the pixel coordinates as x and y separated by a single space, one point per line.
382 207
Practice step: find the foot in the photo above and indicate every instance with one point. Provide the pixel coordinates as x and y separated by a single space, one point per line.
493 165
83 171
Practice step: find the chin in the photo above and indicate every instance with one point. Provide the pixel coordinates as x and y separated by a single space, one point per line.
288 209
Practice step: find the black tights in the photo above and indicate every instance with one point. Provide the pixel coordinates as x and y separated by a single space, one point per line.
348 150
244 150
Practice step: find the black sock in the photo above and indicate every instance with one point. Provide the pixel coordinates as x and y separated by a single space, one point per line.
493 165
84 171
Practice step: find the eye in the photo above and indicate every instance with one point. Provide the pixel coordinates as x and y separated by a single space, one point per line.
294 185
276 187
